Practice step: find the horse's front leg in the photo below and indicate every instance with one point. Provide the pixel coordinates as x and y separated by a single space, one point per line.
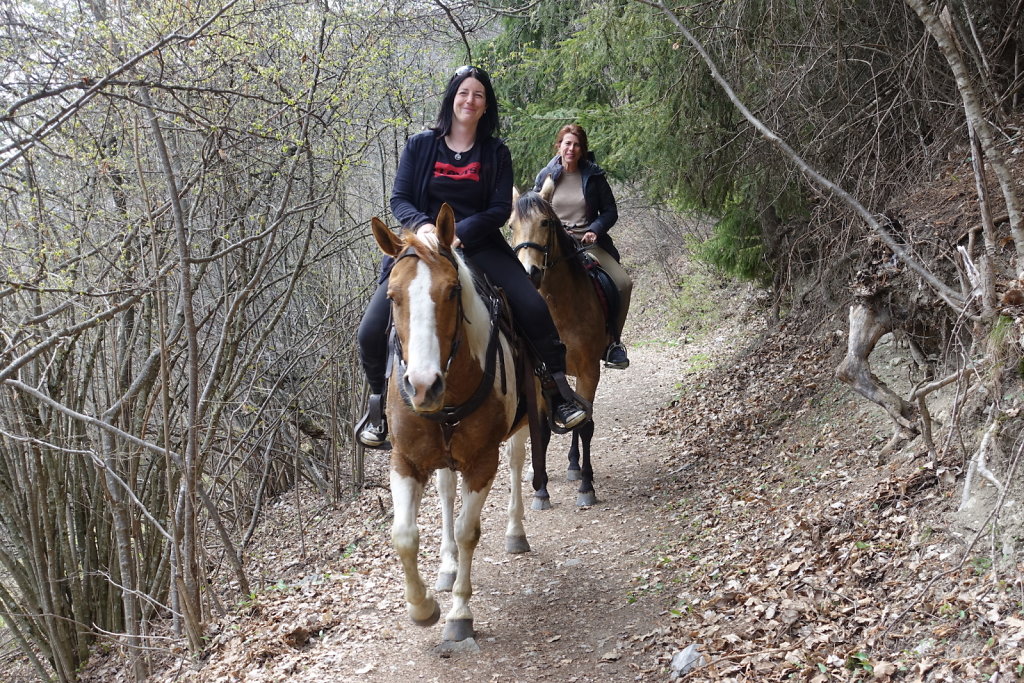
406 494
515 532
458 624
585 494
445 479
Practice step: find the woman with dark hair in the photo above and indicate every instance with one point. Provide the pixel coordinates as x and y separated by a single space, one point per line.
586 206
461 163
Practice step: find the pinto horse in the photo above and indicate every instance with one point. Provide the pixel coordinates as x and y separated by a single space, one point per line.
549 254
451 402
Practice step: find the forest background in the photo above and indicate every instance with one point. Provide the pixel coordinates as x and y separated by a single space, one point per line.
185 190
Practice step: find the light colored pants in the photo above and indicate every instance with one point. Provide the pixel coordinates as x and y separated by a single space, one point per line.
622 281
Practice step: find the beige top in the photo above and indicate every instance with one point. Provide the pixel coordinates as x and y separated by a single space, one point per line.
568 201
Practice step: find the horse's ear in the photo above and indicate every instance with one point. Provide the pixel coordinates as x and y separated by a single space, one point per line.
547 190
389 242
515 194
445 225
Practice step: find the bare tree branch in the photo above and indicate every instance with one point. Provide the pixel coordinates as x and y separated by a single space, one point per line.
949 295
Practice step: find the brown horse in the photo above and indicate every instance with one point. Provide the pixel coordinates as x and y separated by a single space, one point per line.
449 407
549 254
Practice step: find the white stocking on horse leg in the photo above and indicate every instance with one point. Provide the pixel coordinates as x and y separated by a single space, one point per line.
458 624
515 533
449 551
406 494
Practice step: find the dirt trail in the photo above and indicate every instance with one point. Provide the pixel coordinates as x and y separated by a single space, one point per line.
573 609
585 605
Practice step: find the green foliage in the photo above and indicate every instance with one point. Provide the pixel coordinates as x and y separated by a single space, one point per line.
811 70
1001 329
652 115
981 564
695 308
735 245
859 661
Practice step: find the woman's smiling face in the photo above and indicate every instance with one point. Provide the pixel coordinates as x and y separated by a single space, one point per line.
470 102
570 149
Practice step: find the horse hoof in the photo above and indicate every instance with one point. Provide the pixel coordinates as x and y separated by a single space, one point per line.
445 582
432 619
456 630
573 474
540 503
585 499
516 545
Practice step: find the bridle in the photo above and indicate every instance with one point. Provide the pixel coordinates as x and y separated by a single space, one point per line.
551 224
450 416
460 315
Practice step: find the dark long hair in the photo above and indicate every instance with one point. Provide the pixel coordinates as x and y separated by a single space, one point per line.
489 123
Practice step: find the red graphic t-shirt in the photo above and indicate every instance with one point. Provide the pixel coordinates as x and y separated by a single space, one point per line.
468 172
457 182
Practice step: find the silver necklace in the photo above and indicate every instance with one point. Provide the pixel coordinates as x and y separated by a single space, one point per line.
458 155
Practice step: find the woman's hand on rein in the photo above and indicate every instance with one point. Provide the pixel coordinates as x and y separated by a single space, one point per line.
589 237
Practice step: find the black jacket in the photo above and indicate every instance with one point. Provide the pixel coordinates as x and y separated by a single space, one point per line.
597 193
409 200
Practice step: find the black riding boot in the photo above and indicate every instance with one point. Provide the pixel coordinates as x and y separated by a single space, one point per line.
567 407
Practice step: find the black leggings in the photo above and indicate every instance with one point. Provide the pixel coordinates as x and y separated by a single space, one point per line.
532 318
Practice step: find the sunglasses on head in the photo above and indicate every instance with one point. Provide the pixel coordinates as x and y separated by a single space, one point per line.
475 71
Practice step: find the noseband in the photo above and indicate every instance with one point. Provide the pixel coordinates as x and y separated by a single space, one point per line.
551 224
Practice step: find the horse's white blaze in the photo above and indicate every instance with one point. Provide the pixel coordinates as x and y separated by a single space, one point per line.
423 347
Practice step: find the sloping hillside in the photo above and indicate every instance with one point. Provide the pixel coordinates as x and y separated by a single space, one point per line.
743 510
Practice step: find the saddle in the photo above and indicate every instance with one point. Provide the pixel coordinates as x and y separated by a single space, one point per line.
604 286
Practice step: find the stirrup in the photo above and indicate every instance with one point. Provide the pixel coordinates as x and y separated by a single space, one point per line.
620 364
372 429
556 384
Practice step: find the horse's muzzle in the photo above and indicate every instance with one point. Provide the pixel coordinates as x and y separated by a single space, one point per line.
426 394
